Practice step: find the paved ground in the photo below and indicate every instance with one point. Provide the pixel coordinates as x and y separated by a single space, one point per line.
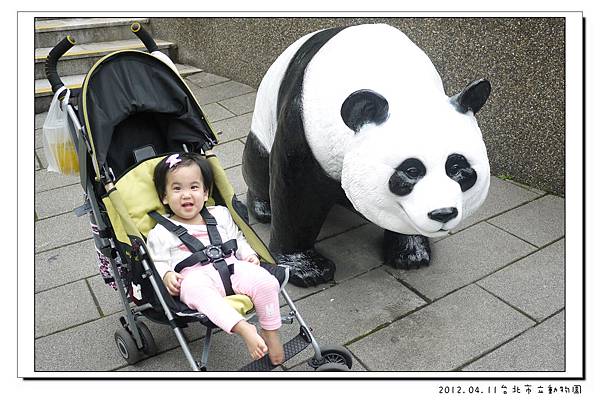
492 300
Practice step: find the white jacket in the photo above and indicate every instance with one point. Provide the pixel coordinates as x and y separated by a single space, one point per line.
167 250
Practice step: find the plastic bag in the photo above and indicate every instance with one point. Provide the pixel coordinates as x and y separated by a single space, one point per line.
59 147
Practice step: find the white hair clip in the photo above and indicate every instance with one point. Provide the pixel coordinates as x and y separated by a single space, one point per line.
173 160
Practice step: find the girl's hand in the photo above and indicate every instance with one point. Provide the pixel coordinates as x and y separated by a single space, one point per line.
172 281
253 259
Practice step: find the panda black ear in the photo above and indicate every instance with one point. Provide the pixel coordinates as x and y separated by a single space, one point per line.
473 96
362 107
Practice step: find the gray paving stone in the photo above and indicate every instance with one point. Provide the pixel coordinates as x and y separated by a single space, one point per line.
38 140
171 361
63 307
216 112
263 231
227 353
234 174
64 265
442 336
61 230
539 222
526 187
43 163
354 308
220 91
37 163
39 120
204 79
229 154
46 180
240 104
340 219
464 258
297 293
543 346
58 201
353 252
89 347
503 195
165 337
108 299
534 285
233 128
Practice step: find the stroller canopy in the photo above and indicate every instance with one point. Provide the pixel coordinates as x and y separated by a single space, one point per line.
131 99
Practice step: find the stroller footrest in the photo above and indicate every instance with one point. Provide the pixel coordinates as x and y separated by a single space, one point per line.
290 349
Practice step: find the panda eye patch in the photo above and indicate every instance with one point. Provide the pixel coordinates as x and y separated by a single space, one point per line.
459 169
406 176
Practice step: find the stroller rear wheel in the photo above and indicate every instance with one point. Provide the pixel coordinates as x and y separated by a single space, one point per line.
149 346
126 346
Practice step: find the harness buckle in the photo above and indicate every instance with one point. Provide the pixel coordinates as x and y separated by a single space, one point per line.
213 252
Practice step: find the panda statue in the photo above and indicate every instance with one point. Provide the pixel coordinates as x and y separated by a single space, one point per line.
358 115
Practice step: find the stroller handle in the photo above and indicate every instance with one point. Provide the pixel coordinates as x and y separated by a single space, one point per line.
51 61
144 36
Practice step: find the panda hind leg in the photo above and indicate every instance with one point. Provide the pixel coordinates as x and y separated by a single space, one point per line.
255 170
260 209
406 251
307 268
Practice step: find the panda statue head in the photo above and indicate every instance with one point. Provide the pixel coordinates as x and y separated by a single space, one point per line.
410 158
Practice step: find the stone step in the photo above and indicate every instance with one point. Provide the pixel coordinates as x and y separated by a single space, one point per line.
81 57
85 30
43 91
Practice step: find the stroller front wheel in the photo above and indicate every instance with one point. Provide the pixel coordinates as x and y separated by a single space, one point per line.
127 347
332 355
333 367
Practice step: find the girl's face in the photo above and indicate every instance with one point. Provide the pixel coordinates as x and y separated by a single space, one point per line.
185 194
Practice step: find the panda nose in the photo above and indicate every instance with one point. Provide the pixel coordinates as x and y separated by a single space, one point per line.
443 215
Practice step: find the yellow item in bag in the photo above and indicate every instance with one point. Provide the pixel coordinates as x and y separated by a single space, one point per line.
59 146
66 158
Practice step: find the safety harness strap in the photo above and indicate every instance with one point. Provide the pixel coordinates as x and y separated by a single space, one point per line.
193 243
196 257
199 251
225 271
200 257
211 227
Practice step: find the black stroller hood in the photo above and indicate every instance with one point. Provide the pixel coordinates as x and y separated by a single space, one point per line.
131 99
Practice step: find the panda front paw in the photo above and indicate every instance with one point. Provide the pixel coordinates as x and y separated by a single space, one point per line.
308 268
260 209
406 251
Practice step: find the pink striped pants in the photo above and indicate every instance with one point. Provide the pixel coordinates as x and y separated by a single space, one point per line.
202 290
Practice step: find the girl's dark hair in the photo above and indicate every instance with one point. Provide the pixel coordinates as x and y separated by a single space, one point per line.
187 159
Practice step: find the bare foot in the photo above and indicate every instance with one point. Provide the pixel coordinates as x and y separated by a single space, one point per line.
276 354
256 345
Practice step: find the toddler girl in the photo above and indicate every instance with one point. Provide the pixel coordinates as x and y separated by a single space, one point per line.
182 182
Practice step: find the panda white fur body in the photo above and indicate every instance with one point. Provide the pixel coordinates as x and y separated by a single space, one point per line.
422 123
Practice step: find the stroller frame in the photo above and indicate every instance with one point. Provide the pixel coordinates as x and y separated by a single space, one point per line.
134 340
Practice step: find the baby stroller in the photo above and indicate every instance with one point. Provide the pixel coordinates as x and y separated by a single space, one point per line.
133 110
